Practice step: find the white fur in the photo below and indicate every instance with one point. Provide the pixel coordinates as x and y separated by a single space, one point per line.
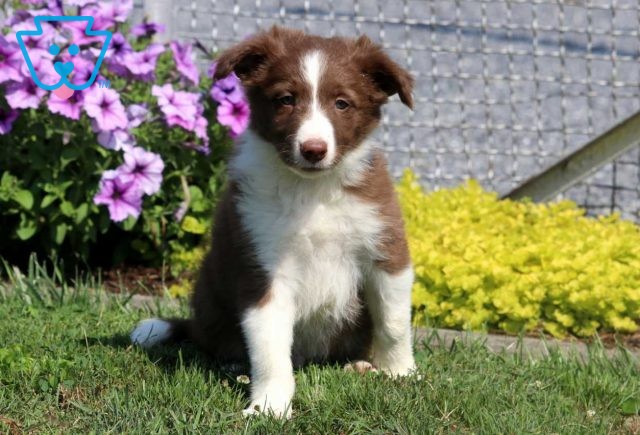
316 125
150 332
389 300
269 333
314 240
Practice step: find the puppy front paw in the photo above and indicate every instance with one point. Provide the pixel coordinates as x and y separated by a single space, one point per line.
265 406
399 367
273 399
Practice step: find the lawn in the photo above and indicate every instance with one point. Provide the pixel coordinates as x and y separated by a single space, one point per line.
66 366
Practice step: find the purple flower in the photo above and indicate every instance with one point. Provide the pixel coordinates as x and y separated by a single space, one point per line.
137 114
228 88
24 95
118 48
82 69
17 17
181 211
182 109
10 61
118 9
183 56
142 63
116 140
179 105
78 29
106 14
104 106
7 117
43 65
123 198
147 29
235 116
81 3
200 126
71 107
54 7
144 168
211 71
115 56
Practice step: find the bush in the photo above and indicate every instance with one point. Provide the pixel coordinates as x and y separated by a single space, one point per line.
482 263
127 173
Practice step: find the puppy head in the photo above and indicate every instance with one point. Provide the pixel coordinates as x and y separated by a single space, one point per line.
314 99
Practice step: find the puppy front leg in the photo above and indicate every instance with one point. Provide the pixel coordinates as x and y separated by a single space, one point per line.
268 331
388 297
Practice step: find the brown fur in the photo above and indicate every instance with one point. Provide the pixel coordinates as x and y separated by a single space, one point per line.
268 64
230 281
358 72
378 188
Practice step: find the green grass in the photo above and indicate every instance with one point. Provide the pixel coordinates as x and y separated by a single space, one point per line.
66 366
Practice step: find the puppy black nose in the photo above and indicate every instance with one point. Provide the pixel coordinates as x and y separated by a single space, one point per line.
313 150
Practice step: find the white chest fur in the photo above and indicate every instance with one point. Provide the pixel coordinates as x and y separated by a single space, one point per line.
313 239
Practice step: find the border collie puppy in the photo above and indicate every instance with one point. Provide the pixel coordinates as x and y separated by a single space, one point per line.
309 261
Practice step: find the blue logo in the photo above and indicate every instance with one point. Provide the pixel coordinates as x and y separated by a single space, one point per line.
63 69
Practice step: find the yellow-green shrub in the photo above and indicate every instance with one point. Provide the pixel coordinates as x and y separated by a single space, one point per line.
481 262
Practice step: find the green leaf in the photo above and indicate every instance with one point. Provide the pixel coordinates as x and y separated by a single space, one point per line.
47 200
67 208
27 229
7 180
61 232
81 213
24 198
631 406
129 223
193 225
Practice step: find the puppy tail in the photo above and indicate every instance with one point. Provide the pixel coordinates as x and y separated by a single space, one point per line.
150 332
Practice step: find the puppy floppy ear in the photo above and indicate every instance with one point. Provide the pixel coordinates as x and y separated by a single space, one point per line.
387 76
251 58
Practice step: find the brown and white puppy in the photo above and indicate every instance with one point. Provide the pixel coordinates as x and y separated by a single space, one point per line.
309 261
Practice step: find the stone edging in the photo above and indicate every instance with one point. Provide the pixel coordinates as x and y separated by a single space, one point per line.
528 346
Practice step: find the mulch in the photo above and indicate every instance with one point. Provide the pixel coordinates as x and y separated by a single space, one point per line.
138 280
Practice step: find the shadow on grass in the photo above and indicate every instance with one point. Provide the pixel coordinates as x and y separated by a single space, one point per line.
171 357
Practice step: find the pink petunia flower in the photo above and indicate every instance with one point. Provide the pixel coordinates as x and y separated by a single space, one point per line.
183 57
235 116
116 140
115 57
123 198
142 63
144 168
147 29
180 108
104 106
118 10
7 118
24 95
82 69
10 60
70 107
137 114
228 88
80 3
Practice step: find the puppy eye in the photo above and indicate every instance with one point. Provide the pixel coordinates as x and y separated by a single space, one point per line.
286 100
341 104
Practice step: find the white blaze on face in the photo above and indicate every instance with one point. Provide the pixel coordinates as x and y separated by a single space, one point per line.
316 124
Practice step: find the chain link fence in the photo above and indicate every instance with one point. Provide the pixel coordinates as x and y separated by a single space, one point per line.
504 88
